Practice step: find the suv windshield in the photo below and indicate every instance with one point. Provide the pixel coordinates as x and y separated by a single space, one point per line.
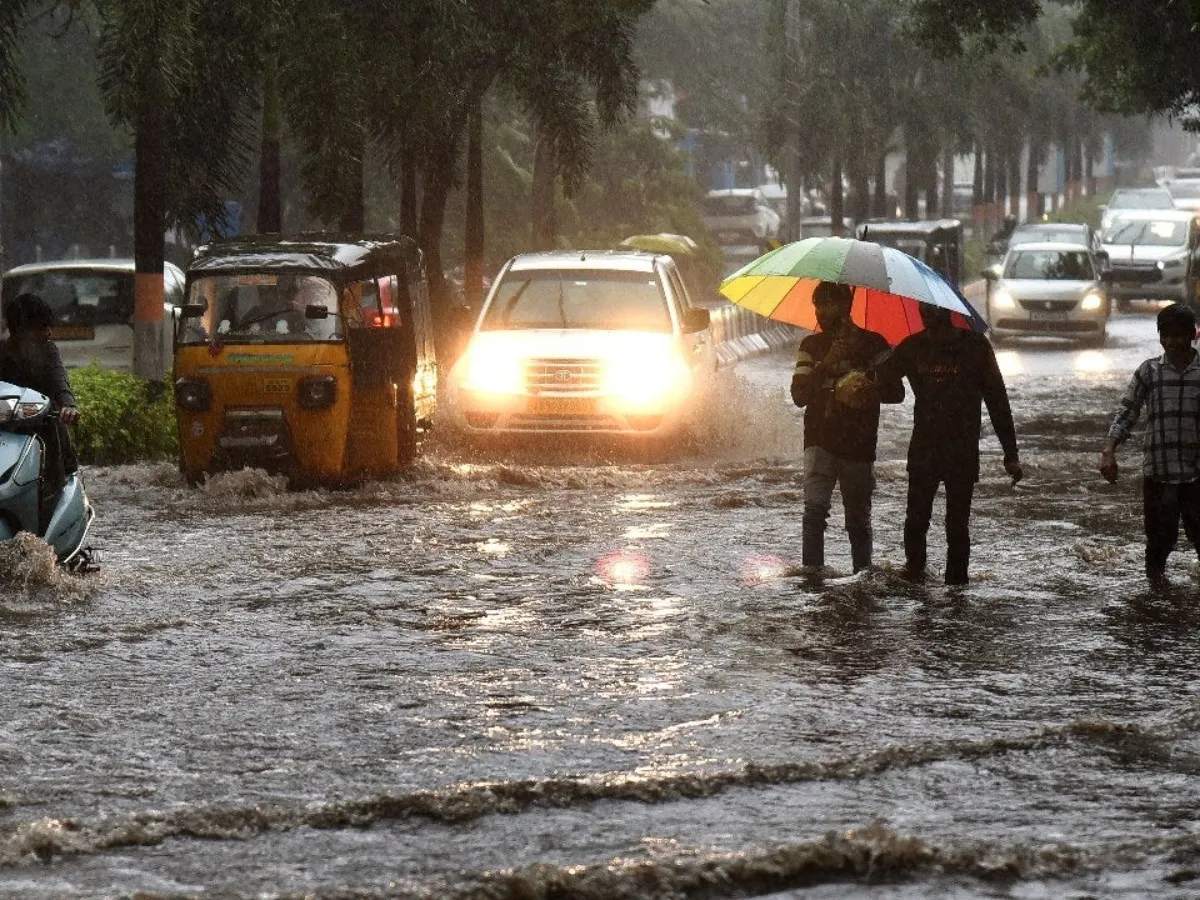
260 307
1148 232
735 205
1050 265
577 298
79 297
1148 199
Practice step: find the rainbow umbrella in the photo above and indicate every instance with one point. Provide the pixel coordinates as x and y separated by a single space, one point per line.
889 286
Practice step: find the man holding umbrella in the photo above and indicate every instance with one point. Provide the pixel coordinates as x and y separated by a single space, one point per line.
952 372
841 422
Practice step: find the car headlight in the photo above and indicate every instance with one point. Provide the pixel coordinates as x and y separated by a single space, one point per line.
646 378
1002 299
1171 263
494 367
1092 301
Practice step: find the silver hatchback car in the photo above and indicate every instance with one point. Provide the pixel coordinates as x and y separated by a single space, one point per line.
1048 290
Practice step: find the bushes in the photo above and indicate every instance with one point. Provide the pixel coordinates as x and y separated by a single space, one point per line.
123 419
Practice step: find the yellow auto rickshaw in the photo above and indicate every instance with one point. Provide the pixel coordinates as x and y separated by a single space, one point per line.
306 355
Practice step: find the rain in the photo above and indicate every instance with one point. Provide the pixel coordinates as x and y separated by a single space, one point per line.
580 666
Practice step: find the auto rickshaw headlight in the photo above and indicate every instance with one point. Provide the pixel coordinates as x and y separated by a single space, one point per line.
193 394
317 391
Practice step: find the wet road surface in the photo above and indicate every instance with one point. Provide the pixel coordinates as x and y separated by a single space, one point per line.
576 675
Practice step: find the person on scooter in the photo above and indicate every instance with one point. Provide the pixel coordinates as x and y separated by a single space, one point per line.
29 358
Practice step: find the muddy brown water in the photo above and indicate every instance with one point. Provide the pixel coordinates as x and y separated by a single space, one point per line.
549 673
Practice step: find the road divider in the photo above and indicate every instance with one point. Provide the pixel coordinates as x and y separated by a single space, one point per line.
739 333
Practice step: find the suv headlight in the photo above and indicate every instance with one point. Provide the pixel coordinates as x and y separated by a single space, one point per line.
494 367
644 379
1092 301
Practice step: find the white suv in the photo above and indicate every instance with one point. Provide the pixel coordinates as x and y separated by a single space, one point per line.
603 342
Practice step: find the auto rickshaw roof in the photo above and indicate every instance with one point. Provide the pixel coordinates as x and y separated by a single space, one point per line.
907 226
345 255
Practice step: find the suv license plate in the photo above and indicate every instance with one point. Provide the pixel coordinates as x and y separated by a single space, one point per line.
1048 316
562 406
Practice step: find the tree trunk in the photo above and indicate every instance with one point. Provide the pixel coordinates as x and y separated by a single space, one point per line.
149 227
270 208
473 231
435 181
408 195
545 173
931 183
948 182
978 195
795 196
1014 182
837 200
1033 200
879 205
989 187
354 213
912 180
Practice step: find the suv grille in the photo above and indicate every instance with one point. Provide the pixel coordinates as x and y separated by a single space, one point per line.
563 376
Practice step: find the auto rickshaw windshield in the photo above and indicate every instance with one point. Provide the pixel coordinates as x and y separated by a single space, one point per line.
261 307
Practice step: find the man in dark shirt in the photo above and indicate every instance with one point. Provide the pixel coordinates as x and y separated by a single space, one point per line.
840 423
952 372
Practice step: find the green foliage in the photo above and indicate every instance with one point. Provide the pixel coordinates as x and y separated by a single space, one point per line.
1081 209
120 420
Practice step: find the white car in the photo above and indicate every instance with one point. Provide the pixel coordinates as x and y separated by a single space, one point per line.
1185 193
597 343
1154 255
93 300
1049 290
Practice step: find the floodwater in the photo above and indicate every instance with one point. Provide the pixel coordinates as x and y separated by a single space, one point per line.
514 677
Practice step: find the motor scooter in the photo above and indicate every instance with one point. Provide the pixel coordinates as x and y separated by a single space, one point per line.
61 521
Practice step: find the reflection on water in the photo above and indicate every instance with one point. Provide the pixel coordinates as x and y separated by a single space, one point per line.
507 675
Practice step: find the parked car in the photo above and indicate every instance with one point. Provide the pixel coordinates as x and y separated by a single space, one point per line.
740 217
586 343
1155 255
93 300
1185 193
1049 289
1134 198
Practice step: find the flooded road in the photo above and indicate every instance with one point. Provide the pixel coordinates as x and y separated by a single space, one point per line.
507 676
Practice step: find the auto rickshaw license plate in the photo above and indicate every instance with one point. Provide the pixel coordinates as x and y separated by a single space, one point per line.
276 386
562 406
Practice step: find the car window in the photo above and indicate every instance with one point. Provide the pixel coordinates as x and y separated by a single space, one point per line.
677 288
80 297
1185 190
1050 265
1147 232
551 298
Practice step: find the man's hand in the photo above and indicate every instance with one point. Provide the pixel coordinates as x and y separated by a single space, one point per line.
1108 465
68 415
1014 470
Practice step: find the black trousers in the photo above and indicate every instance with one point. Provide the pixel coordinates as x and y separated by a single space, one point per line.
1163 505
922 488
